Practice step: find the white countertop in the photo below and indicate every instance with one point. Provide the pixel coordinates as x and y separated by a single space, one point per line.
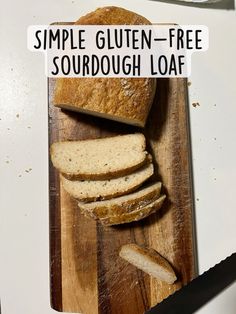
24 262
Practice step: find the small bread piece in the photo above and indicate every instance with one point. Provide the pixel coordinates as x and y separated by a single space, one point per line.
99 159
123 204
126 100
91 190
149 261
135 215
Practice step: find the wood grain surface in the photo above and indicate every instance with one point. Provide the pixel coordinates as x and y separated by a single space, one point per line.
87 274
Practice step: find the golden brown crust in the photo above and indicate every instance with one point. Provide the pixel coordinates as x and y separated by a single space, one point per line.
151 255
135 215
112 15
101 211
123 99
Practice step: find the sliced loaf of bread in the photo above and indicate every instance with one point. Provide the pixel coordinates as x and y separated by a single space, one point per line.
100 159
134 215
123 204
91 190
149 261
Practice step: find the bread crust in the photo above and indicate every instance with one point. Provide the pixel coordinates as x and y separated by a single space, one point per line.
135 215
102 209
106 175
123 99
151 255
106 196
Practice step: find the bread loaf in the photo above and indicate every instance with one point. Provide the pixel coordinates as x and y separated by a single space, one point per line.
125 100
148 260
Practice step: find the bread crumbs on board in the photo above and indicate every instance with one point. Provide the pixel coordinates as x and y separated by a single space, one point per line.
195 104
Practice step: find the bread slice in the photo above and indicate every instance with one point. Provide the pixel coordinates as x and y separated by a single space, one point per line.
134 215
101 159
149 261
123 204
91 190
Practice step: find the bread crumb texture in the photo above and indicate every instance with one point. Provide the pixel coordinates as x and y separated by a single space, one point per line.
148 260
100 158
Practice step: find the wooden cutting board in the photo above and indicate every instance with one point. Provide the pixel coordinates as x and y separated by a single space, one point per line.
87 275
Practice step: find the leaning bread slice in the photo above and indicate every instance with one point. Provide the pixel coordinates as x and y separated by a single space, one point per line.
99 159
123 204
91 190
135 215
149 261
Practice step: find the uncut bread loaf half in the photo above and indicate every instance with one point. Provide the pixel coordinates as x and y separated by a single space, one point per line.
148 260
100 159
126 100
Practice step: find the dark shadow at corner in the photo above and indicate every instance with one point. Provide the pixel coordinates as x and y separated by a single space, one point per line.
59 310
97 124
158 113
220 5
156 120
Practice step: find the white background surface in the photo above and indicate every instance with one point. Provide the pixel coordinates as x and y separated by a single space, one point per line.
24 262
